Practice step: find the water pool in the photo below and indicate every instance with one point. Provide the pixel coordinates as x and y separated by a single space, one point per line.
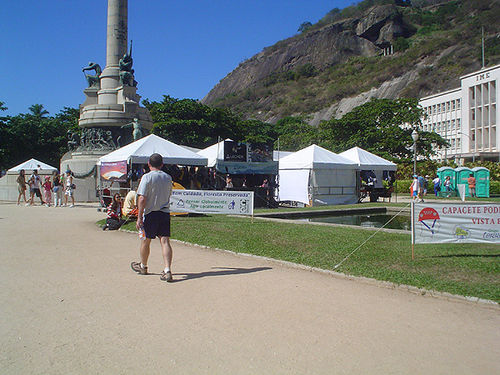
401 222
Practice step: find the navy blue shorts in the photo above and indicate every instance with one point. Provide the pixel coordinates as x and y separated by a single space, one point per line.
157 223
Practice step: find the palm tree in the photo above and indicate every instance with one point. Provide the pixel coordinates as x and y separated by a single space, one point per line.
37 110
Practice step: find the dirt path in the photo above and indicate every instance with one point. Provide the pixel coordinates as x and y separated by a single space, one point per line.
70 304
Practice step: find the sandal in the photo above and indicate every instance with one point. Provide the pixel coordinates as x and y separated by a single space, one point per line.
166 276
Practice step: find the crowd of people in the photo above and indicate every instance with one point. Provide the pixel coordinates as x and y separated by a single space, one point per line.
49 190
420 185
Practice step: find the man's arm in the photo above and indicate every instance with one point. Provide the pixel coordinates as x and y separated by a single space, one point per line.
141 203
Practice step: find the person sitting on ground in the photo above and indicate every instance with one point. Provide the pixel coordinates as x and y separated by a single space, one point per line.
130 205
114 214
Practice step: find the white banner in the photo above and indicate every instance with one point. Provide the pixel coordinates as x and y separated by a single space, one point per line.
212 202
456 222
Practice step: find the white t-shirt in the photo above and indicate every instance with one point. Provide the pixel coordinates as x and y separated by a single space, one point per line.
156 187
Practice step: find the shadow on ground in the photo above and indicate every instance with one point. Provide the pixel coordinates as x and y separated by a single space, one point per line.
219 271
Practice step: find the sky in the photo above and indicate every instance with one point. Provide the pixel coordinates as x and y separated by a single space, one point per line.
180 48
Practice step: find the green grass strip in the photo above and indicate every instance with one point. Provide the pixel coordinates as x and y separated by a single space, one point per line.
464 269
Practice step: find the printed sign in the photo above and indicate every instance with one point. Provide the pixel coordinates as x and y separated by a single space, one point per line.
116 171
212 202
455 222
235 151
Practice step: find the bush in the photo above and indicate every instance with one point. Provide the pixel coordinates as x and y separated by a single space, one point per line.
494 187
402 186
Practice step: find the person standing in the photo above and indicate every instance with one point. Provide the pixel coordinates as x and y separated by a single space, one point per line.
472 185
47 191
57 189
153 201
414 187
437 185
69 189
21 186
36 183
447 186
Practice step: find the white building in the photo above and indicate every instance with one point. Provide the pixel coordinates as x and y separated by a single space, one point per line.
467 117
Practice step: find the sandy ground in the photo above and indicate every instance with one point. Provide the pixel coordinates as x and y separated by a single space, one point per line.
71 305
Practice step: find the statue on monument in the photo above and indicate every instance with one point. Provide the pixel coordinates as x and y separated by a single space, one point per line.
138 131
126 71
93 80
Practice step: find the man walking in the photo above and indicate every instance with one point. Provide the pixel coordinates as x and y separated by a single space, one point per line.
153 200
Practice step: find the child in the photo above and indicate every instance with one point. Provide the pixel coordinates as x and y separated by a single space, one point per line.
114 212
47 191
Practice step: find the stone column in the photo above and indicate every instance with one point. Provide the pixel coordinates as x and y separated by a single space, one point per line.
116 47
116 39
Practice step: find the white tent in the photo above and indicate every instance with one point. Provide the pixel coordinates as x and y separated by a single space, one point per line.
216 158
140 151
367 161
212 153
31 165
317 176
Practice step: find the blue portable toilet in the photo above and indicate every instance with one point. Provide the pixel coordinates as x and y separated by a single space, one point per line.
444 172
482 176
462 174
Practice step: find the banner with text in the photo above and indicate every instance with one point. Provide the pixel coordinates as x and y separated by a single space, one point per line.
456 222
212 202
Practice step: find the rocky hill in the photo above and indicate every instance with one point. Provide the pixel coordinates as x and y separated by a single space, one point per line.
375 49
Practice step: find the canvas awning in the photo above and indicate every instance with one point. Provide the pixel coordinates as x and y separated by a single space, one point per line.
31 165
140 151
368 161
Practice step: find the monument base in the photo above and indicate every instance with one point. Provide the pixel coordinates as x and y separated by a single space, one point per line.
83 165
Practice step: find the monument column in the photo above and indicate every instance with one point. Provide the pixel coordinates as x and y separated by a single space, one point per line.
116 47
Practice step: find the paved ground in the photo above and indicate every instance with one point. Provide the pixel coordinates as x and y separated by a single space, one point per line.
69 304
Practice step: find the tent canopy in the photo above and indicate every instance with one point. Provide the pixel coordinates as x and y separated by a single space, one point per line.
315 157
31 165
212 153
140 151
368 161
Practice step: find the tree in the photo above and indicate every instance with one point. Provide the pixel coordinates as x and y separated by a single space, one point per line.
37 110
304 26
295 134
381 126
34 135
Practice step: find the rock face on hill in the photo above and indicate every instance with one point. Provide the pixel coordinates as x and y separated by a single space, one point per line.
330 45
386 51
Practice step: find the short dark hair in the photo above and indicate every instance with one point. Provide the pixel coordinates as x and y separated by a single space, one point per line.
156 160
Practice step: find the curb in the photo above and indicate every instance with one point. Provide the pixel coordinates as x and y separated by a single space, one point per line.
365 280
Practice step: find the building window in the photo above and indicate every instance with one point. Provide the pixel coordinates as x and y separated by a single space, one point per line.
452 105
458 103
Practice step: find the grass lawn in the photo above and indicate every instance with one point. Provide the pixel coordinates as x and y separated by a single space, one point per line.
465 269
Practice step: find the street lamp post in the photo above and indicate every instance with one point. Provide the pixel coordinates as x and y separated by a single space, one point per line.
414 136
470 140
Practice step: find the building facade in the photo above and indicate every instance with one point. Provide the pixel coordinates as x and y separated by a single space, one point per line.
467 117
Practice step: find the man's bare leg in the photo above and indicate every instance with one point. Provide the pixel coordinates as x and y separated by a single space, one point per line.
144 250
166 251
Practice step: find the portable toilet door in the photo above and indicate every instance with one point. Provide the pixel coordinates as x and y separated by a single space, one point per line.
443 172
462 174
482 176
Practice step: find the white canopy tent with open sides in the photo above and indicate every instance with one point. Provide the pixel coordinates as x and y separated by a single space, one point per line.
138 152
367 161
317 176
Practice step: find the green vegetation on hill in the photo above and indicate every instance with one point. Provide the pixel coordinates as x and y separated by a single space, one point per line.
445 42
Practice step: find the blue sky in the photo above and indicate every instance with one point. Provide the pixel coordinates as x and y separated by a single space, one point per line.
181 48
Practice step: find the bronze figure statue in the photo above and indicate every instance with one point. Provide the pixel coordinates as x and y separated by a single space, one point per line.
93 80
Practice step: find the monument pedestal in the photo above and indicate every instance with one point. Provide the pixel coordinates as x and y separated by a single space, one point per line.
83 166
